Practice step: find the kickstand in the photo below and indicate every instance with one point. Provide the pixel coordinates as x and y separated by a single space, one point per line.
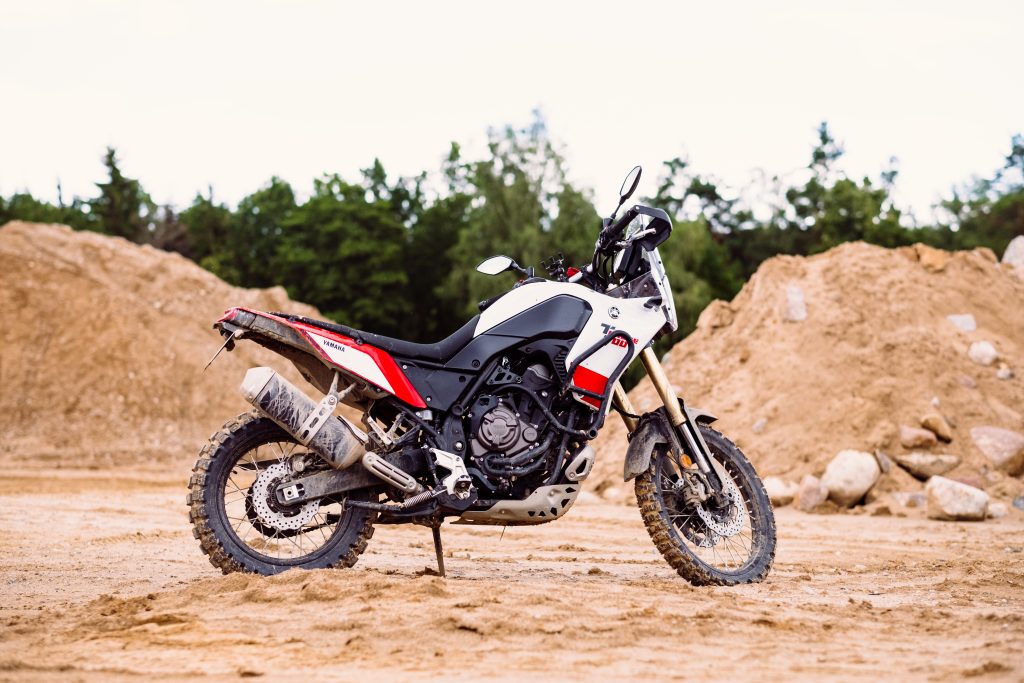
436 531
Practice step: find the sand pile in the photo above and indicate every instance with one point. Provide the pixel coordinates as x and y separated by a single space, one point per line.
839 350
102 349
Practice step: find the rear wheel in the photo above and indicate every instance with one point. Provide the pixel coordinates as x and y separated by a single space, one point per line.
242 527
724 543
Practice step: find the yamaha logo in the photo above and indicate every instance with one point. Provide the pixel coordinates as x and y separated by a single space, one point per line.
613 312
331 344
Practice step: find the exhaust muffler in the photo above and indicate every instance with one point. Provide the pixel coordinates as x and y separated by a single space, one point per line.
312 424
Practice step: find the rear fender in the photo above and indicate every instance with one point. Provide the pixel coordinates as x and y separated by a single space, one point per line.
318 353
277 335
653 430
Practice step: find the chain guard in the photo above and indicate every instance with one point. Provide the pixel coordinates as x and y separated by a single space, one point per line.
289 520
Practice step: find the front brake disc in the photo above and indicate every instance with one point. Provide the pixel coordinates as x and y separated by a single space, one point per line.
735 509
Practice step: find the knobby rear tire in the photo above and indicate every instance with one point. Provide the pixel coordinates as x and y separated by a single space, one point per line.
673 547
213 530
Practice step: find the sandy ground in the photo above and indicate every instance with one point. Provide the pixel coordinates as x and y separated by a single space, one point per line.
101 580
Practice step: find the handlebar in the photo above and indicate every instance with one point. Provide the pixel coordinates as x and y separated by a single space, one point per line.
612 232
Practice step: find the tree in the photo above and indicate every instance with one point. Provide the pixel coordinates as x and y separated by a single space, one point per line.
516 195
208 225
254 234
123 208
987 212
343 254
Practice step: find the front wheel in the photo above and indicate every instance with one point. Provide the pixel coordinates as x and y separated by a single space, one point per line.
708 543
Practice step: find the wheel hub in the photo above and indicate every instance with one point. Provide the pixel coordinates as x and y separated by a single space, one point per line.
733 515
269 511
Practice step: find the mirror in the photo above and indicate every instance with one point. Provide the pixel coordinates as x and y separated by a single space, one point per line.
495 265
631 181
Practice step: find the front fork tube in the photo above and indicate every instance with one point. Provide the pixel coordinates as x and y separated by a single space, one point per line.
686 428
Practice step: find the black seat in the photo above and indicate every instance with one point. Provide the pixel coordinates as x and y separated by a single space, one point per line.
437 352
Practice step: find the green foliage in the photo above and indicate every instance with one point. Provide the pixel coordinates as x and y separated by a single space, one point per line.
344 254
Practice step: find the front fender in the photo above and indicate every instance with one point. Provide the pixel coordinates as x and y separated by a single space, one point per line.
653 430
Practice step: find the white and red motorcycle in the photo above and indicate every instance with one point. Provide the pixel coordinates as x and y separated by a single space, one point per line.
488 426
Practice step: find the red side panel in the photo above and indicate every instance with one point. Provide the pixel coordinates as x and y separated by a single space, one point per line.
401 387
586 378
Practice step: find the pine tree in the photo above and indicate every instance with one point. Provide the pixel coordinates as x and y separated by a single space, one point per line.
122 208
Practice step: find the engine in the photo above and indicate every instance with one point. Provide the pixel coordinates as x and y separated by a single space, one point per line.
509 434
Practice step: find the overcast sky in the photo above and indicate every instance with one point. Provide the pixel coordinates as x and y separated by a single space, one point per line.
230 93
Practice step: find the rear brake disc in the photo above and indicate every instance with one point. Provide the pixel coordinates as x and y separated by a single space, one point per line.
277 519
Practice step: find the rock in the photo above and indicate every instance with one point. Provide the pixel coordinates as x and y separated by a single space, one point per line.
951 500
849 476
932 259
997 510
760 425
912 437
795 308
716 314
811 494
925 465
1004 371
1018 503
967 381
972 481
983 353
911 500
884 462
937 425
1004 448
1014 254
963 321
780 492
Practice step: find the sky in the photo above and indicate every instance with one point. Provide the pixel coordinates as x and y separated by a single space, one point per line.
226 94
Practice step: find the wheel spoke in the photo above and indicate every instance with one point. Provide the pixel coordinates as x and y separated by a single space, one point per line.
272 540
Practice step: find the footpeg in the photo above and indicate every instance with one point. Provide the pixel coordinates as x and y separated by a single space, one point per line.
458 482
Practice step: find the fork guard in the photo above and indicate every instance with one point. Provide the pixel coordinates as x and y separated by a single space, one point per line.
654 429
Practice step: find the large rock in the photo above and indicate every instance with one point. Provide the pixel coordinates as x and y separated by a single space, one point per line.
937 425
951 500
1003 447
849 476
780 492
963 321
812 493
912 437
925 465
1014 254
983 353
794 309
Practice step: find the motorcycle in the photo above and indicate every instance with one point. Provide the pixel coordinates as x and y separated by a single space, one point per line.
489 426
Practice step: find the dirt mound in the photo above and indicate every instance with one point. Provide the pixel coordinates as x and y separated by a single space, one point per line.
103 345
838 350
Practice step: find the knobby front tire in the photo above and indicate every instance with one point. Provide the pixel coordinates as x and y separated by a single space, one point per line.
698 554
